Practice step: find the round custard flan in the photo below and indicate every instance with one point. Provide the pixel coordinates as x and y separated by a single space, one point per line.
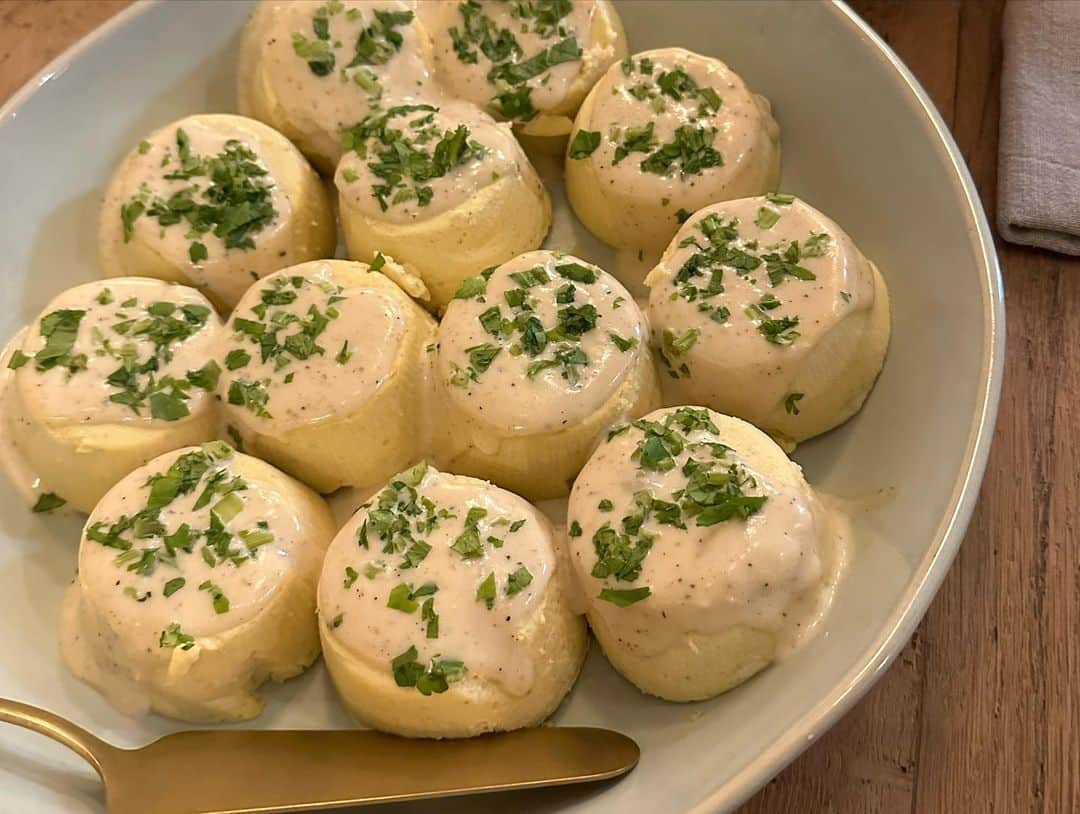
527 62
196 584
443 611
765 309
325 373
661 135
110 374
463 198
309 69
214 201
702 552
537 358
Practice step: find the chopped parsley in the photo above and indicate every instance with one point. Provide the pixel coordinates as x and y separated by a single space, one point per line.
485 591
281 332
715 491
137 382
511 70
434 677
375 45
235 205
718 248
779 331
430 618
60 329
403 597
518 581
691 151
584 144
48 502
766 218
468 544
624 597
523 333
173 636
18 359
405 148
679 344
143 542
791 403
400 518
471 288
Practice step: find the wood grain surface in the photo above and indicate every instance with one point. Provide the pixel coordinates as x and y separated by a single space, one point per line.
981 713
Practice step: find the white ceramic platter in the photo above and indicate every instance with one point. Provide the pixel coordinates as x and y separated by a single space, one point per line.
861 141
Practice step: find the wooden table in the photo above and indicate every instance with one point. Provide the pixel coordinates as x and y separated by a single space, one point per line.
982 711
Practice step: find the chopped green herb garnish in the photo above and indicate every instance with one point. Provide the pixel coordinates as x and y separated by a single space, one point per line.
235 205
405 158
403 597
173 636
18 359
343 355
431 618
470 288
766 218
435 677
518 581
485 591
219 600
584 144
624 597
48 502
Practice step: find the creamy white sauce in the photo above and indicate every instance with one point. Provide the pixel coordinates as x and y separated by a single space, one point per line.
353 604
735 349
20 474
649 201
504 395
470 80
773 571
318 106
359 347
107 334
117 614
143 178
493 154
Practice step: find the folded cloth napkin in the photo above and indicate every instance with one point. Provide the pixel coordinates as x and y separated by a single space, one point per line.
1039 150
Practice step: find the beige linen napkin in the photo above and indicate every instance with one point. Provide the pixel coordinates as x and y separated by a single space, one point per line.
1039 151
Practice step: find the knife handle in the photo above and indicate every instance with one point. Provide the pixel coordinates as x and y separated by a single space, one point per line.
89 747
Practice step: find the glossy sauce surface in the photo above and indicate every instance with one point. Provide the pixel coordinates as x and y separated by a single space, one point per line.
768 571
556 394
358 579
329 64
484 153
177 557
304 349
749 287
465 69
677 131
174 161
125 338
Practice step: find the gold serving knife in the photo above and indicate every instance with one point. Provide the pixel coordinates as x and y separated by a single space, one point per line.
234 771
